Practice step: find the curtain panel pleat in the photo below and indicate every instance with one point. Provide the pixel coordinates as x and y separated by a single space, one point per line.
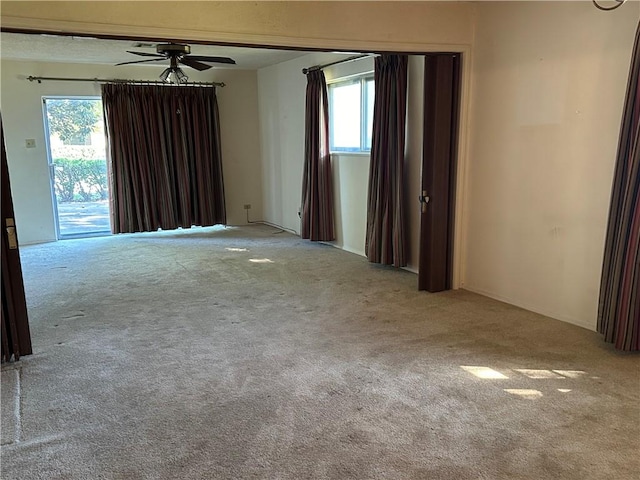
385 235
317 190
165 157
619 304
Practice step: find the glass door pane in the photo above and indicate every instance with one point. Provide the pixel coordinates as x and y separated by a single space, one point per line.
78 165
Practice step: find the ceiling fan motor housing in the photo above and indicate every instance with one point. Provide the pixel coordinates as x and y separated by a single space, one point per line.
171 49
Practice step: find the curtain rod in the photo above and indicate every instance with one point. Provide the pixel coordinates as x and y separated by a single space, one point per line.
350 59
120 80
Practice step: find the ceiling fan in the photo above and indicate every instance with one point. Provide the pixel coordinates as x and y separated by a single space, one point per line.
178 53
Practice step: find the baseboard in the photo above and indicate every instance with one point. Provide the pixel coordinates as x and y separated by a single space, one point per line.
274 225
530 308
351 250
410 269
346 249
36 242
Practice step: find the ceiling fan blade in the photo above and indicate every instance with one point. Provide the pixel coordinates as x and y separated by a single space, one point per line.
145 54
141 61
190 62
204 58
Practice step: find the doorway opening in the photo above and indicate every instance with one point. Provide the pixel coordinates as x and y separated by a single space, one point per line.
74 129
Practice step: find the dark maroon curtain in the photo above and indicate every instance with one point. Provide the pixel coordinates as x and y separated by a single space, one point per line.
385 240
619 306
166 160
317 191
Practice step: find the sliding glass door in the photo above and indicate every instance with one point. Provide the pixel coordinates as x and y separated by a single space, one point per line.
78 167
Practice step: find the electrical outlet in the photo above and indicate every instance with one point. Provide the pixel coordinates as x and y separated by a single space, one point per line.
247 206
30 143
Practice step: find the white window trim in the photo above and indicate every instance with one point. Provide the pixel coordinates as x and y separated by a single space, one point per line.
361 78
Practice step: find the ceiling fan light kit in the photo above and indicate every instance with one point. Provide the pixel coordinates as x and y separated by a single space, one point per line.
164 76
180 76
178 54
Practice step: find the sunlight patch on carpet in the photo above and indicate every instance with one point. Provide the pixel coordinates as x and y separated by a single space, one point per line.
483 372
524 392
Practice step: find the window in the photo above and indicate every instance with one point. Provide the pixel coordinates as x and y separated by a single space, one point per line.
351 114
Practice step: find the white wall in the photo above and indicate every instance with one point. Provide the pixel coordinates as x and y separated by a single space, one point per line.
350 191
21 103
548 86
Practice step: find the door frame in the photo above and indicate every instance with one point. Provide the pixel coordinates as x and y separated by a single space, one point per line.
50 164
14 315
461 215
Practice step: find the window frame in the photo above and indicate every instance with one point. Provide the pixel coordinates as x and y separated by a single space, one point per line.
362 79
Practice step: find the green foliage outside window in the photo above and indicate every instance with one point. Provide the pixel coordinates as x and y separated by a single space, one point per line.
73 119
80 180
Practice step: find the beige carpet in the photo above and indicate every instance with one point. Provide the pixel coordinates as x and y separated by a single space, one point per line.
247 353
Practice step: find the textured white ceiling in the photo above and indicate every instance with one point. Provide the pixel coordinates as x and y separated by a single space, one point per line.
53 48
